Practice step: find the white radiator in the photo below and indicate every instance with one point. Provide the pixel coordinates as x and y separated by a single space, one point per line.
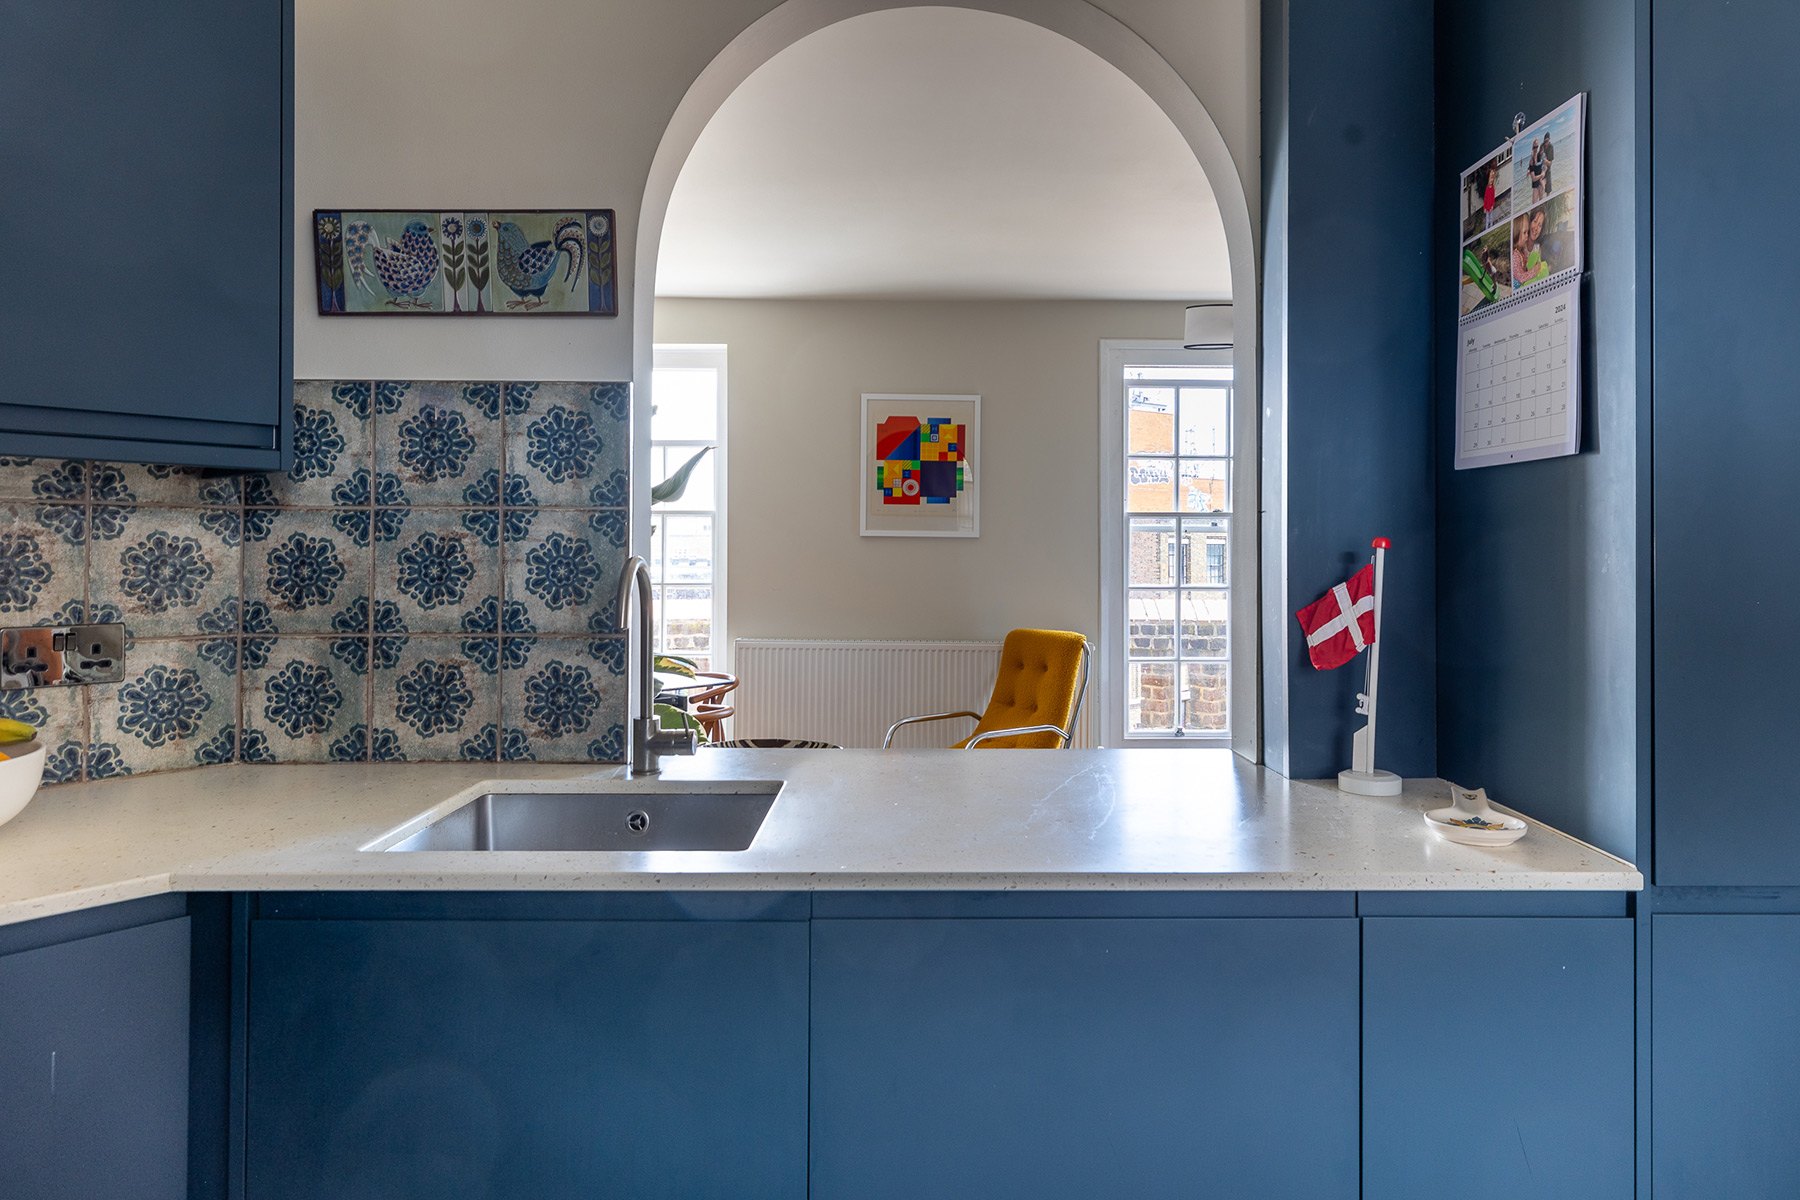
848 693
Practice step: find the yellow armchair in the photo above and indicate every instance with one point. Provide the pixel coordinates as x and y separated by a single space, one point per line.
1037 695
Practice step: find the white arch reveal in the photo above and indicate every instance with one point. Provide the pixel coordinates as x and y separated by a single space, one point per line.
1077 20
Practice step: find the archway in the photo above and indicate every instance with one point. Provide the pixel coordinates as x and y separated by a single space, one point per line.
1075 20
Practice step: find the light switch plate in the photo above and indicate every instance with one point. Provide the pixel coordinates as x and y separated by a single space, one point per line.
61 655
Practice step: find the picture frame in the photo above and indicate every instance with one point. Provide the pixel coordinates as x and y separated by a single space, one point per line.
388 262
921 466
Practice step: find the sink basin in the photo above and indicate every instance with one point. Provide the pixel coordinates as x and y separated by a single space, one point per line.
641 816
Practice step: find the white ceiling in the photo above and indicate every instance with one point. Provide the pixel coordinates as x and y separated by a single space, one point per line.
941 153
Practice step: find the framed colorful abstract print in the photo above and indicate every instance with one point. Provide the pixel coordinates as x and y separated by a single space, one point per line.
921 465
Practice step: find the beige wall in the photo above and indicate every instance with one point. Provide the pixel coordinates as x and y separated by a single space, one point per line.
542 103
797 565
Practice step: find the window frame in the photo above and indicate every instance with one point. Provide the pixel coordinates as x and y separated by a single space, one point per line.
696 356
1243 534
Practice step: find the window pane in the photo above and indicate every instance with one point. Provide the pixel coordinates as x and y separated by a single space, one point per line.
656 551
1203 558
1205 485
687 621
1205 421
702 485
1150 701
1150 485
1150 420
1205 697
687 403
689 548
1203 624
1150 552
1154 373
1151 623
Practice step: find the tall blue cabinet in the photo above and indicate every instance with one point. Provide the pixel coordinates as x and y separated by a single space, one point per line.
1725 931
147 216
1727 436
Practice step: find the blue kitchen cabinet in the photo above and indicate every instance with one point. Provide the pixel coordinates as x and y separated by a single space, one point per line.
148 229
1498 1057
94 1047
531 1058
1726 1046
1079 1058
1725 428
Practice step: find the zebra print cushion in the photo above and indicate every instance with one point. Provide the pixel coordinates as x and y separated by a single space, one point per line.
772 744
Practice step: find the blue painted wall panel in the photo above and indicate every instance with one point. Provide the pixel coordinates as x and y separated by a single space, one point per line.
1497 1058
1347 161
1081 1058
1726 1050
1727 436
1539 604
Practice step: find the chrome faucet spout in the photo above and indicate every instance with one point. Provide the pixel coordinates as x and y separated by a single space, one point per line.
649 740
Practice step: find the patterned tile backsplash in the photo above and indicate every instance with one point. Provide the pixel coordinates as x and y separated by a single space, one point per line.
433 579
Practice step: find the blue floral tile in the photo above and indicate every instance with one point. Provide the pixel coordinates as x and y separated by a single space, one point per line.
307 567
434 700
61 717
567 438
565 702
166 572
185 486
439 442
63 480
331 440
563 571
304 699
168 712
42 572
439 577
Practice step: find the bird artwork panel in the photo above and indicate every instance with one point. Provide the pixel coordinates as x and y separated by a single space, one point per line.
389 262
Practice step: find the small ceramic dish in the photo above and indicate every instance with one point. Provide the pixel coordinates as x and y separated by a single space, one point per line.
20 775
1472 821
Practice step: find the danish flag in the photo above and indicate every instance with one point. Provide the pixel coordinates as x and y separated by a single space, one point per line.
1341 623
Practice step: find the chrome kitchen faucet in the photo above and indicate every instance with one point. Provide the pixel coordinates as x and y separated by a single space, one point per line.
649 740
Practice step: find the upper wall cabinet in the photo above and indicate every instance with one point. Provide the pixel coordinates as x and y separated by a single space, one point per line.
1726 427
145 206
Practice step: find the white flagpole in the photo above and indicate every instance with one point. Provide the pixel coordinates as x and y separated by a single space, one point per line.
1363 777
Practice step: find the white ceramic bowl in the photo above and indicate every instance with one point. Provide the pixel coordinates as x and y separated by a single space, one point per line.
20 775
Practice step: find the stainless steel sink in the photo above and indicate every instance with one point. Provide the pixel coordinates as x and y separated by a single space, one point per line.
639 816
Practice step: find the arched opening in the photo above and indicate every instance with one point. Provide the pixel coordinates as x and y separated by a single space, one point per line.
1099 37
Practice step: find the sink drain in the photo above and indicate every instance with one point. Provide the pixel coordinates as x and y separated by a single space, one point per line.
638 822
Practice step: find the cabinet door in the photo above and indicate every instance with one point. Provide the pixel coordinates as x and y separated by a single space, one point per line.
1083 1058
146 311
1498 1058
94 1067
1727 423
1726 1050
543 1059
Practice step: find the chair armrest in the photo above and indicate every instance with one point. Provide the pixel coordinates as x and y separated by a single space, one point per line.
888 741
1023 729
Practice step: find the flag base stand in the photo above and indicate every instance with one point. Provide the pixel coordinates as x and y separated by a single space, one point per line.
1369 783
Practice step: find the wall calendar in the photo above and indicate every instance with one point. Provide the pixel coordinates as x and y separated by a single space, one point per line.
1518 380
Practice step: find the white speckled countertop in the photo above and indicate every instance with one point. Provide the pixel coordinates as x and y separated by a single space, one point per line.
1170 820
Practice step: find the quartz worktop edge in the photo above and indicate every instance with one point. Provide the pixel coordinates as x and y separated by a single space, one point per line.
1130 820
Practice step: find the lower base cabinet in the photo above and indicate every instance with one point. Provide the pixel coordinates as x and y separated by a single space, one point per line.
94 1067
896 1056
1726 1049
1498 1058
543 1059
1081 1058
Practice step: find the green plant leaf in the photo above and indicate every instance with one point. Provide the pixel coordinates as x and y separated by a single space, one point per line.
672 487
